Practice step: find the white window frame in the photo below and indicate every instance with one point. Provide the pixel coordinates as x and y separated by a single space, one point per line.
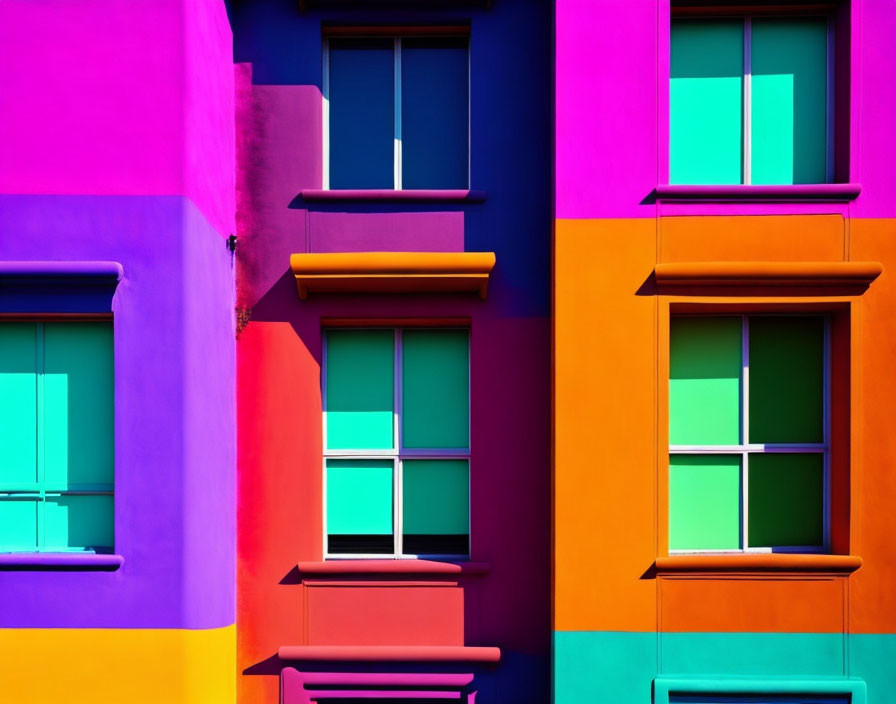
398 454
745 448
396 111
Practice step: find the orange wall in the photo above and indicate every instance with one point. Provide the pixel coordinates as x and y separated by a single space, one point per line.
610 428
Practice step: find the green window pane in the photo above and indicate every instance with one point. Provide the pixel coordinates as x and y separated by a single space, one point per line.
18 405
18 524
786 500
706 102
79 522
704 502
359 497
786 379
789 100
78 437
436 506
704 381
435 388
360 389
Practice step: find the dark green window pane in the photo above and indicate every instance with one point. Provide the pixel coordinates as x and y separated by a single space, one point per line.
704 502
78 385
786 379
704 381
789 100
79 522
18 405
436 505
362 106
359 497
706 102
786 500
434 115
18 524
360 389
435 388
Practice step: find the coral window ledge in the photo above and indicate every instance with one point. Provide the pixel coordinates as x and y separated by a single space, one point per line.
758 563
60 561
393 272
391 653
796 193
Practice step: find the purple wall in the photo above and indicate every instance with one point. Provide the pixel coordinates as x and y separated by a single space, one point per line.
174 415
117 143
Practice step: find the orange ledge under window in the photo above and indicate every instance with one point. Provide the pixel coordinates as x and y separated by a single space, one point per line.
856 276
758 563
393 272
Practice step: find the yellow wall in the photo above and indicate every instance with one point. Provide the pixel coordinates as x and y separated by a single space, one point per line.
95 666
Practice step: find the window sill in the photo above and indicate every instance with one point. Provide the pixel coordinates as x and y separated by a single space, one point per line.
389 567
393 272
798 193
757 563
782 274
390 653
393 196
62 561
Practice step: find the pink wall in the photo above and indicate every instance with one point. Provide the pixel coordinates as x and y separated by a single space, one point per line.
612 112
120 112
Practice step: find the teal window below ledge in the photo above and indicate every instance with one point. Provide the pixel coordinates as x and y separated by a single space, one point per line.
699 690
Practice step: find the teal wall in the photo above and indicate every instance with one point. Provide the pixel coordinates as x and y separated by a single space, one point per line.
619 667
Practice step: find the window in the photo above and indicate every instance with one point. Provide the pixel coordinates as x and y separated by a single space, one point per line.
397 442
750 101
56 435
396 113
749 433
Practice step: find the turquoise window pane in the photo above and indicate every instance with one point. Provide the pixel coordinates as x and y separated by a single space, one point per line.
18 524
436 497
789 100
704 502
786 500
359 497
786 379
362 107
435 388
78 428
434 114
706 102
79 522
705 381
360 389
18 405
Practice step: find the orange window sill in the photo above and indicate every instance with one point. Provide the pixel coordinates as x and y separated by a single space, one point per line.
390 567
760 563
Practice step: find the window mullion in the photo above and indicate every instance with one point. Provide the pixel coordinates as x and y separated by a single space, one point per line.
745 429
397 521
41 455
397 116
325 117
748 99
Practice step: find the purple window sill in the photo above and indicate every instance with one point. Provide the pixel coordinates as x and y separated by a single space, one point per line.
59 561
400 196
61 269
812 192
